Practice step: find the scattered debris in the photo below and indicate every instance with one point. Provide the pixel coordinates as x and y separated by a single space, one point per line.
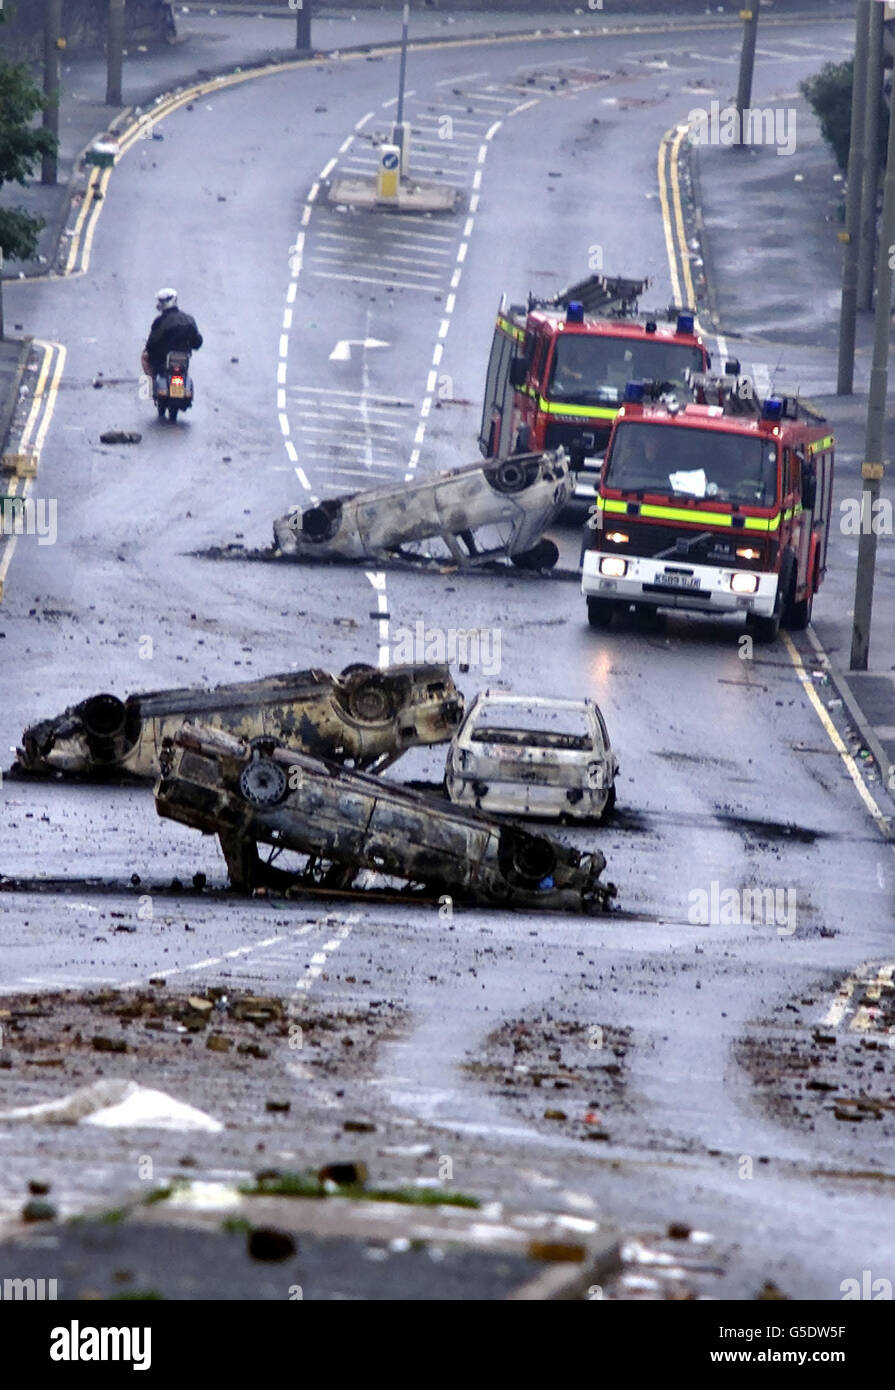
120 437
265 1243
117 1104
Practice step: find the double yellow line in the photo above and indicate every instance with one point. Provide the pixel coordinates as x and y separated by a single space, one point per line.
681 278
32 441
673 216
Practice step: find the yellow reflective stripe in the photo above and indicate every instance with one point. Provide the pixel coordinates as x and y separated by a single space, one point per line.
583 412
750 523
508 327
821 444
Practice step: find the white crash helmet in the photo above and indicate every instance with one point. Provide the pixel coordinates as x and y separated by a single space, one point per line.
166 299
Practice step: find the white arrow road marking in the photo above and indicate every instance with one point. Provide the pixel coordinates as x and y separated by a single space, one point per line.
342 350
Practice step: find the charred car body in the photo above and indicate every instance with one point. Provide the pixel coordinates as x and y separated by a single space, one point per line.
348 822
532 757
478 513
365 716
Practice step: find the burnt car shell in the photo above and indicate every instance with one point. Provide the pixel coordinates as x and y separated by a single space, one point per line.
532 756
351 821
365 716
479 512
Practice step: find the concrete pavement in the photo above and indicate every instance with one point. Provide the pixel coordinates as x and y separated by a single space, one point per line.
770 221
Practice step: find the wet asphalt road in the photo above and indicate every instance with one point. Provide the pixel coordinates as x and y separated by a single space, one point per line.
722 760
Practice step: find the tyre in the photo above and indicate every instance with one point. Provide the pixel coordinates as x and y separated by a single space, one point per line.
798 614
172 412
370 700
103 717
610 801
161 408
356 666
767 629
542 556
263 782
525 860
321 523
509 476
599 611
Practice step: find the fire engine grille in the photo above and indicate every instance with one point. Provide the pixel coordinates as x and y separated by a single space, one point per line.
577 436
651 539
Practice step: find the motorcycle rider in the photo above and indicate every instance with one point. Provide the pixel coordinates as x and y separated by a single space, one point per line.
172 331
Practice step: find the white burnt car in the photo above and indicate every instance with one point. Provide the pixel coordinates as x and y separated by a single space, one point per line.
531 756
468 516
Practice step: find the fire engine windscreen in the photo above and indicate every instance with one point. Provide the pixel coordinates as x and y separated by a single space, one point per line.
590 368
713 464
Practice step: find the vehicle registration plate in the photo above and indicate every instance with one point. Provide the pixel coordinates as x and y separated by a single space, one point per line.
678 581
176 388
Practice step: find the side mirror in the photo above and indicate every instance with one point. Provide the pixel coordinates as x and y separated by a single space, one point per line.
518 371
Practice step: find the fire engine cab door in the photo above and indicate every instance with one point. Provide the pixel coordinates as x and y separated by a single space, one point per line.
495 437
802 528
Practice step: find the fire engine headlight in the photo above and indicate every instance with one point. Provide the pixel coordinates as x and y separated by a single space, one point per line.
613 565
744 583
749 553
617 537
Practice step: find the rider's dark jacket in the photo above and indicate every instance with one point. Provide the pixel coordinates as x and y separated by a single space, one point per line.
172 331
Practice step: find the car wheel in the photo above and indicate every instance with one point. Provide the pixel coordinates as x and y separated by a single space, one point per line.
600 611
525 860
509 476
542 556
370 699
321 523
263 782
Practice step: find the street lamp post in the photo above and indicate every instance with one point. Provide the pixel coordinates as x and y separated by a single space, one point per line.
747 65
114 52
302 23
52 34
400 132
867 242
851 237
873 467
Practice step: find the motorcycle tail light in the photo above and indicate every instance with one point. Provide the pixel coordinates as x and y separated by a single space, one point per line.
178 380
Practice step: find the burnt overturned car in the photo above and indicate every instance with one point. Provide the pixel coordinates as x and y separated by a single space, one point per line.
467 516
351 828
364 716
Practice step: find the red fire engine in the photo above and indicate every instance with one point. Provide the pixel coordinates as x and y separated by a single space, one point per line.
722 505
559 367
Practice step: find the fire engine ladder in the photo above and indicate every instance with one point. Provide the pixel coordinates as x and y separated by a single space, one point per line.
599 294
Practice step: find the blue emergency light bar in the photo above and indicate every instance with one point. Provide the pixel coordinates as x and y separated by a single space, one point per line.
772 409
635 391
575 312
685 323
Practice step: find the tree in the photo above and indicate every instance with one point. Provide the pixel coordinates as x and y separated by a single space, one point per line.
22 145
828 93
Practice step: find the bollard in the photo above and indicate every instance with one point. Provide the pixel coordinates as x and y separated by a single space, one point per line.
388 173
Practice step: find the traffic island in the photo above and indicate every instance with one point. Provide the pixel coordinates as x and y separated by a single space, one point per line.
409 196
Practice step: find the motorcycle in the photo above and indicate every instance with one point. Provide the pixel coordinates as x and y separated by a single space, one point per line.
172 389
